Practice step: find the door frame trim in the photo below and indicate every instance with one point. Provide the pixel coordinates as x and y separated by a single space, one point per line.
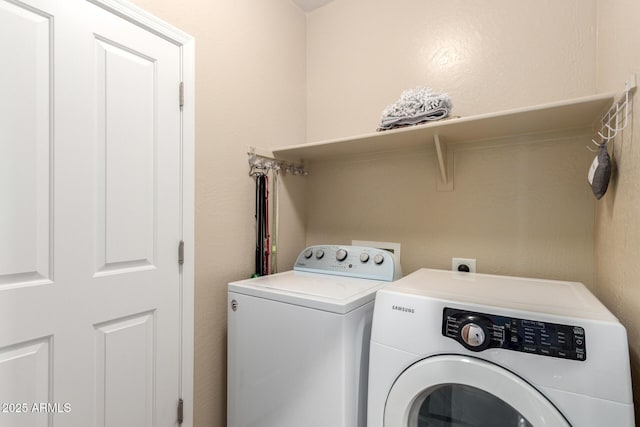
186 43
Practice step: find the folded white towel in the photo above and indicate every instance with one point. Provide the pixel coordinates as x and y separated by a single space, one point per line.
415 106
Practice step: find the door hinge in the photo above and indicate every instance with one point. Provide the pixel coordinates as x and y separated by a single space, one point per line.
180 411
181 94
181 252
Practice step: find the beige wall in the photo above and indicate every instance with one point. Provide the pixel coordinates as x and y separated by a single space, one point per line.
489 56
618 213
518 208
250 90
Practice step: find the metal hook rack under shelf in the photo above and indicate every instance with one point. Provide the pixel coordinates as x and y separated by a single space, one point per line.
262 163
616 118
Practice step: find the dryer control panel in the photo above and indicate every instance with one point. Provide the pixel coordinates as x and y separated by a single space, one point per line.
479 331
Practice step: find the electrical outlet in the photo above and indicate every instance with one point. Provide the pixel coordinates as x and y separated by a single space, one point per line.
456 264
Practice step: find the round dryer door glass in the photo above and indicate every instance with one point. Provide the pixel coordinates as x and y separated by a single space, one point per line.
456 405
464 391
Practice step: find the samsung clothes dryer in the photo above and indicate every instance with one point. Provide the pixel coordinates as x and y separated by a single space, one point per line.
460 349
298 341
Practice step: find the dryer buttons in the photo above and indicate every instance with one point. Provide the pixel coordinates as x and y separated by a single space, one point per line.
481 331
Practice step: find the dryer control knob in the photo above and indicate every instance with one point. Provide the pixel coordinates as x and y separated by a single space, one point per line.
364 257
319 253
341 254
378 259
473 334
308 253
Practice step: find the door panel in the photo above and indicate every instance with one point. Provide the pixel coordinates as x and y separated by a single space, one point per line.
90 153
125 388
125 106
27 364
25 173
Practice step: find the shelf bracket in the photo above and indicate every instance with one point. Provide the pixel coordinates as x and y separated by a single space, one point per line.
445 164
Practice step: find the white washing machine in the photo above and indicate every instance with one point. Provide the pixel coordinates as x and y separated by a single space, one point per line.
459 349
298 341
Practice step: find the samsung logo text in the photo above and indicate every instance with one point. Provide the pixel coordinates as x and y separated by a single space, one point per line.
403 309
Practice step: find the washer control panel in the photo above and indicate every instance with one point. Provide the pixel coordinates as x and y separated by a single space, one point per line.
479 331
351 261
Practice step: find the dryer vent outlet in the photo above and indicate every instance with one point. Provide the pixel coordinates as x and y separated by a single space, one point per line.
465 265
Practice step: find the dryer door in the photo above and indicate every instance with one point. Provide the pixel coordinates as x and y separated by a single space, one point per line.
457 391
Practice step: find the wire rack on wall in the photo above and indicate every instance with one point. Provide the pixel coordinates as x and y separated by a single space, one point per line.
263 163
616 119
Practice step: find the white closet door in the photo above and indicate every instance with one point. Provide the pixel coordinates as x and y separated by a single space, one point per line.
90 218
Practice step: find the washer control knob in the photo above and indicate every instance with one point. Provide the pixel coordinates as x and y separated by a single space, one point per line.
308 253
473 334
341 254
319 254
364 257
378 259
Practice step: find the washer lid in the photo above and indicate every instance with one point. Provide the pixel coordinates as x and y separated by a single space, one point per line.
320 291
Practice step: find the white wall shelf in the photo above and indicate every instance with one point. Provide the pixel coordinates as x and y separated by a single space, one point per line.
571 115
